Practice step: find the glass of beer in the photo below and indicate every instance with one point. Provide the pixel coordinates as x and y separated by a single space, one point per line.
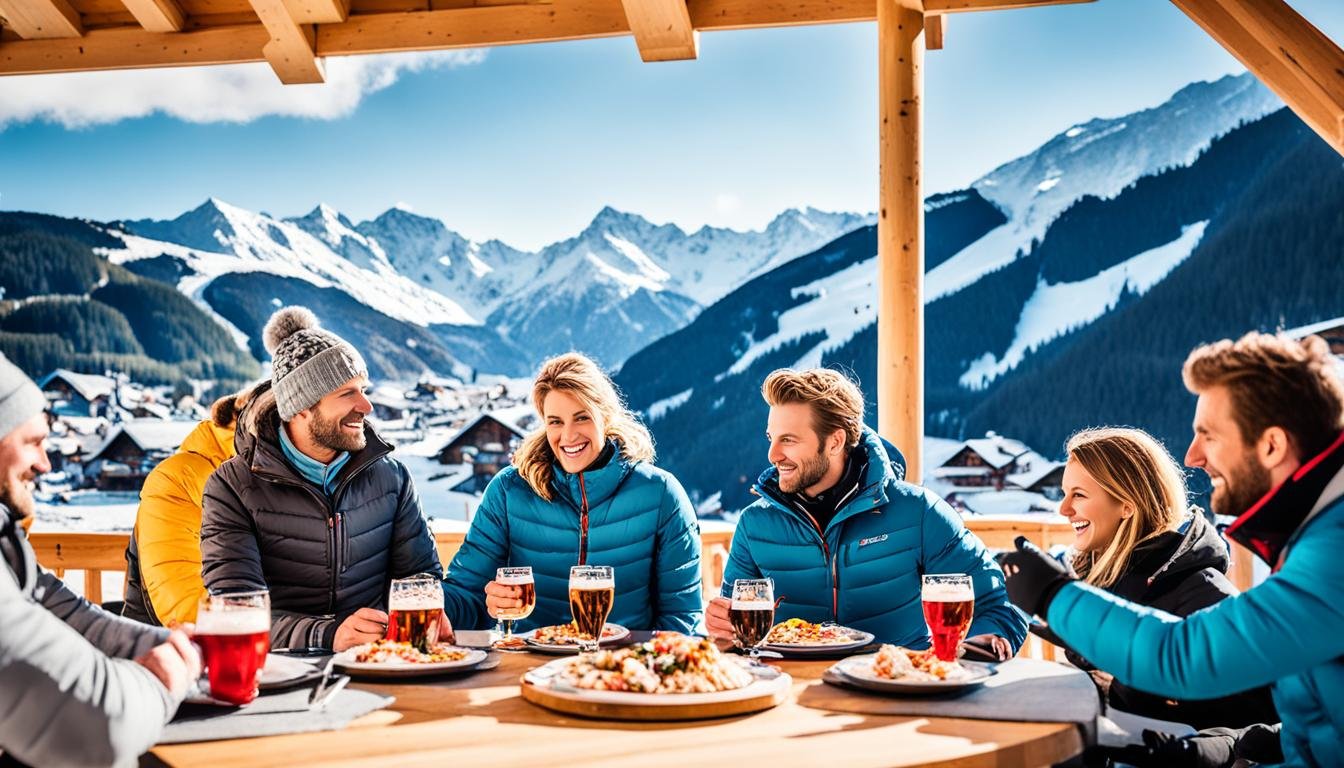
520 577
233 630
592 590
752 614
949 604
414 608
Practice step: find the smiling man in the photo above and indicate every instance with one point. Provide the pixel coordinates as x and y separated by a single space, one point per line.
1269 431
313 507
844 538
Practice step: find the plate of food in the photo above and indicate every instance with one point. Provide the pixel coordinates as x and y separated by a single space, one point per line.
283 671
670 677
796 637
564 638
386 658
894 669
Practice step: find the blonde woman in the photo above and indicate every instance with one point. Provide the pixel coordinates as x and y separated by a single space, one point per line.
582 490
1135 538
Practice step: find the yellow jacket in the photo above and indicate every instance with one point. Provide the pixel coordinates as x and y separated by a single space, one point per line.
168 523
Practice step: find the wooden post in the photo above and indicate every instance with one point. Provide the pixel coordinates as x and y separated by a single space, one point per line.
900 230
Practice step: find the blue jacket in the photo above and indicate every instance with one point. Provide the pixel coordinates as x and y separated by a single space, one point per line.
639 521
1288 630
865 571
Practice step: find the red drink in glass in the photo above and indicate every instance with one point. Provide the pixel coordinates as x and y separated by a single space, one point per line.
949 606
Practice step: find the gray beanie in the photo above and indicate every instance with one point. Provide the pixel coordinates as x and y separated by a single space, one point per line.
307 363
20 399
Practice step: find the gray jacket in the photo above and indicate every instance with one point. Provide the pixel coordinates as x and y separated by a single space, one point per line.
69 693
322 557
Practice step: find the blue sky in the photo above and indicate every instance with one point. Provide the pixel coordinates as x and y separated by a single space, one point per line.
527 143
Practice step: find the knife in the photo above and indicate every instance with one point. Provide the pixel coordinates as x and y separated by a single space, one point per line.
322 682
322 696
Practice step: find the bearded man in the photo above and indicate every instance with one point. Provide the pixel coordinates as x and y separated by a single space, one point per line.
844 537
313 507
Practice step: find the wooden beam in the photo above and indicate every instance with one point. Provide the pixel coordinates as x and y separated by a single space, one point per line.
935 27
662 29
157 15
41 19
127 47
900 231
318 11
1289 55
290 50
968 6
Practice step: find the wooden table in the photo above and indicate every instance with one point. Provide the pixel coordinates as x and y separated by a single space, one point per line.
481 720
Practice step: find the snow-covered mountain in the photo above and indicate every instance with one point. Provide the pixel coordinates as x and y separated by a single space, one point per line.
1059 259
1099 157
617 285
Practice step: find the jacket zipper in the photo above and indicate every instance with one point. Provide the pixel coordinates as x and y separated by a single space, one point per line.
827 556
583 522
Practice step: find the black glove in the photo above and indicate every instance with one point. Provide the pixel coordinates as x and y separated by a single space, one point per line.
1033 577
1210 748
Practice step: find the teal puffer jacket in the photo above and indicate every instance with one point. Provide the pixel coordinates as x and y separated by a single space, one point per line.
1288 631
865 571
639 521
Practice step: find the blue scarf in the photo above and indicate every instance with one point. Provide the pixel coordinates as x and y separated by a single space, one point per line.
314 471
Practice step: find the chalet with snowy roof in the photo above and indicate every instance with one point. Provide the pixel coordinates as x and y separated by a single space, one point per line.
77 394
995 462
132 450
486 442
1330 330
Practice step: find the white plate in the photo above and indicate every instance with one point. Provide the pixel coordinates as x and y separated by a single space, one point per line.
859 670
345 660
545 676
282 670
860 639
620 634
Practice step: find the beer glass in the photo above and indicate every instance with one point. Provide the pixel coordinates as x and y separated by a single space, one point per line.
520 577
233 630
414 610
592 590
752 614
949 604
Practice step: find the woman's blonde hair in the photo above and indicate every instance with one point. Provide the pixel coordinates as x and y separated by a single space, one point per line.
583 380
1134 469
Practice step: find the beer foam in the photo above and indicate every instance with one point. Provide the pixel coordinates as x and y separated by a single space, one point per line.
594 584
233 622
414 602
753 605
514 581
946 593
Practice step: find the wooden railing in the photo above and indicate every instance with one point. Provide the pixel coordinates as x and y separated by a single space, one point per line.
95 553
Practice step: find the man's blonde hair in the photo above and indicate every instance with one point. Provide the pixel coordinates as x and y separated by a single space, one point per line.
834 399
582 379
1133 468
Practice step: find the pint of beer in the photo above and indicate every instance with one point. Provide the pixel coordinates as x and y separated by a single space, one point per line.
949 604
592 590
752 613
414 610
520 578
234 633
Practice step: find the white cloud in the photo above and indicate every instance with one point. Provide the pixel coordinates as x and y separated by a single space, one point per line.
233 93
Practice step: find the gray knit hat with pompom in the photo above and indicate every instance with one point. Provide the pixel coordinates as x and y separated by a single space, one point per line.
307 363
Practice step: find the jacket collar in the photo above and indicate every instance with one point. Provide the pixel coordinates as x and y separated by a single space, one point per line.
210 441
1193 546
886 468
264 456
596 485
1271 523
14 552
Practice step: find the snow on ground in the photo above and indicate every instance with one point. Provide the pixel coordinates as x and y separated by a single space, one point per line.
90 512
660 408
842 305
997 248
1057 309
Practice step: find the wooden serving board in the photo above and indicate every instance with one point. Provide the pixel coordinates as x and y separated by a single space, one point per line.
761 695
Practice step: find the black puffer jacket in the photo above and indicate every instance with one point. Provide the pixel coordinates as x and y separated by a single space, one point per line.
1181 572
323 558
